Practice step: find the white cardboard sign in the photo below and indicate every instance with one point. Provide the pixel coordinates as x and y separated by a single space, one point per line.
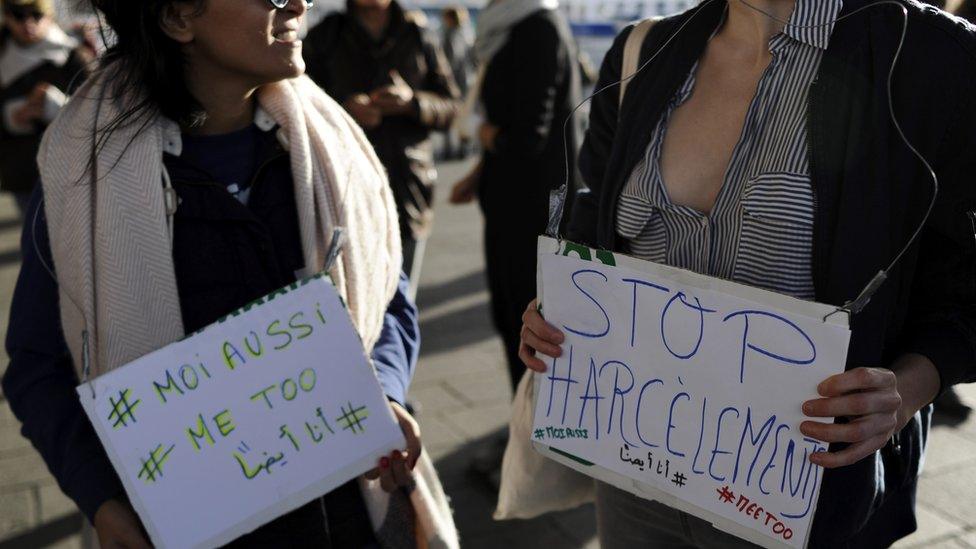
254 416
686 389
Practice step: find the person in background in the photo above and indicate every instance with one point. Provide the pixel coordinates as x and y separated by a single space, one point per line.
589 73
527 87
382 67
38 64
196 169
457 43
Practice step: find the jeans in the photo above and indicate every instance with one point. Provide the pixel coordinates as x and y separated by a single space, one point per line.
625 521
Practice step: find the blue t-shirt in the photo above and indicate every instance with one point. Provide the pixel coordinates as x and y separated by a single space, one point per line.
230 159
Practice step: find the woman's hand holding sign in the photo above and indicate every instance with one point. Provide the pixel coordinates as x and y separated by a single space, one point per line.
396 471
538 336
878 402
118 527
869 398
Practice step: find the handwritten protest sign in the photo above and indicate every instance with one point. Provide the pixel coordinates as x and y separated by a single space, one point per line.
254 416
686 389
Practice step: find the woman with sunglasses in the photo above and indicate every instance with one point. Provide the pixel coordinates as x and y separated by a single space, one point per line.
38 63
196 171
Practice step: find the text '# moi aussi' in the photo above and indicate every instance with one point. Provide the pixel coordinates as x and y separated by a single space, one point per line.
272 336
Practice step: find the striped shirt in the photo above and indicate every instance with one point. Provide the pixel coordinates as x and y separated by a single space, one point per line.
760 230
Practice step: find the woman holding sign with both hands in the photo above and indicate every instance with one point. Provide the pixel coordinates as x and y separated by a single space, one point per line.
196 171
758 146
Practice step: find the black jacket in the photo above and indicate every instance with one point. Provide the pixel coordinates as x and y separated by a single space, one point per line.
871 193
18 170
345 60
530 88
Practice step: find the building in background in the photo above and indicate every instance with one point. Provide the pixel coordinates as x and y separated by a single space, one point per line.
594 22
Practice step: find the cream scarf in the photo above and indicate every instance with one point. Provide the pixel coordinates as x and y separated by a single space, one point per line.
112 251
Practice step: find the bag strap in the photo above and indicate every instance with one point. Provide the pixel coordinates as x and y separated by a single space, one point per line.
632 51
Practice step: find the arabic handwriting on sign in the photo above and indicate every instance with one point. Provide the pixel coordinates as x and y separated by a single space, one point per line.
285 432
269 461
667 465
625 457
279 458
660 467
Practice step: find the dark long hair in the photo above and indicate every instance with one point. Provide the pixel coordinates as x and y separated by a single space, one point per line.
144 63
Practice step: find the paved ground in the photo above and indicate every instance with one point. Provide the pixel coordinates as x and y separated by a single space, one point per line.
463 395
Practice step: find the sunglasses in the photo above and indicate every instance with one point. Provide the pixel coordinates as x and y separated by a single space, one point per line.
22 15
282 4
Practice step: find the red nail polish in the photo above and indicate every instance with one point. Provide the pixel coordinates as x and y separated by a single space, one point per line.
385 462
